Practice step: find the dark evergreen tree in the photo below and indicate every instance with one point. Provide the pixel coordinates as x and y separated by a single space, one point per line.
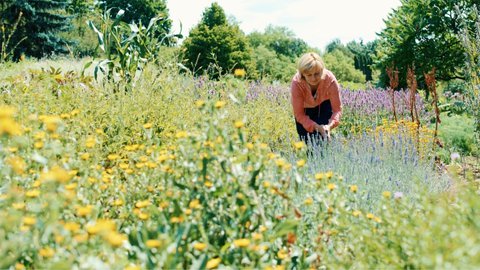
40 25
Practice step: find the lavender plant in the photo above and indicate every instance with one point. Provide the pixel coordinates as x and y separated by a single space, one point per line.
376 164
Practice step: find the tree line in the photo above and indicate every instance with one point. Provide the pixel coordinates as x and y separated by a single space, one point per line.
420 35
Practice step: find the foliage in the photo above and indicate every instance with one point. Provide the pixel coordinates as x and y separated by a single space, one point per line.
141 11
167 176
342 65
279 39
363 55
275 52
127 48
40 23
216 47
471 42
457 134
424 33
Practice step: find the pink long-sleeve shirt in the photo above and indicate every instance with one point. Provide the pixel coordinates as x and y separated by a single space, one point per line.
301 97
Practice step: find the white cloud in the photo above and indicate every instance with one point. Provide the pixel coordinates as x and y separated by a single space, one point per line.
315 21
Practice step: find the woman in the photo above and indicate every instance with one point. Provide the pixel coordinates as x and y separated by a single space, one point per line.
315 96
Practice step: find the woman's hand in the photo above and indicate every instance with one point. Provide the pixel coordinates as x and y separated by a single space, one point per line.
324 131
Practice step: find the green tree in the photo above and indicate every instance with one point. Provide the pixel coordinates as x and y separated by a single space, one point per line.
276 51
363 56
37 33
423 34
281 40
141 11
216 46
342 65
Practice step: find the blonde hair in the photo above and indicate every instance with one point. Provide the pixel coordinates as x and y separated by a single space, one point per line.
309 61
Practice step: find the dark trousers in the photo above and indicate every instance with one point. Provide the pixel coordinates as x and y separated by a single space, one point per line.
320 114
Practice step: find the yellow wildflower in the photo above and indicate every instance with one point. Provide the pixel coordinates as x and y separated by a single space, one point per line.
220 104
354 188
331 186
29 221
153 243
147 125
46 252
308 201
301 163
239 124
17 163
200 246
213 263
241 243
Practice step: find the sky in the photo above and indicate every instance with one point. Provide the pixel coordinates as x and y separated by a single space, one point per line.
316 22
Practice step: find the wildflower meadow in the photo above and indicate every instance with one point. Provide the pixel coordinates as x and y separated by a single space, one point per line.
185 172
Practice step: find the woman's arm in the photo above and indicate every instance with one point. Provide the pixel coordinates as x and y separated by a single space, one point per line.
336 102
298 101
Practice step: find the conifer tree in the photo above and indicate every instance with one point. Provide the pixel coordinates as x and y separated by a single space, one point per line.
39 27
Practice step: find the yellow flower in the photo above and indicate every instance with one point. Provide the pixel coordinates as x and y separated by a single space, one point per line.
319 176
115 239
7 111
194 204
51 123
85 156
199 103
257 236
213 263
83 211
200 246
241 243
370 216
153 243
308 201
46 252
90 142
239 124
147 125
133 267
29 221
17 163
113 157
18 206
32 193
329 174
220 104
181 134
239 72
299 145
71 226
331 186
38 145
356 213
282 254
301 163
354 188
56 173
142 204
387 194
101 226
10 127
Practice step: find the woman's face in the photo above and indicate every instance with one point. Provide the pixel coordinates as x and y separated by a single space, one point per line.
313 76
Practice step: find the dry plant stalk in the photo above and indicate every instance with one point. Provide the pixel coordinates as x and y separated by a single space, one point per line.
393 77
412 85
431 85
